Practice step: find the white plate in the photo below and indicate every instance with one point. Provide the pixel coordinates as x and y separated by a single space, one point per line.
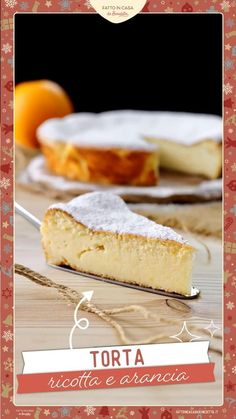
172 187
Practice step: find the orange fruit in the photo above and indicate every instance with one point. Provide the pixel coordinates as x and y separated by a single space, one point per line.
36 101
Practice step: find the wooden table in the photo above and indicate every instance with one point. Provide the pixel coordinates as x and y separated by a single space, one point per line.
43 320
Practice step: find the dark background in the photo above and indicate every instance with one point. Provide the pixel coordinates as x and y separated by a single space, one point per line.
153 62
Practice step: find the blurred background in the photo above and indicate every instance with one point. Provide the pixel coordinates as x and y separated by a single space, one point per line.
151 62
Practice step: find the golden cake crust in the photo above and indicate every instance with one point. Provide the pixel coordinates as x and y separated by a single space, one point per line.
52 211
104 166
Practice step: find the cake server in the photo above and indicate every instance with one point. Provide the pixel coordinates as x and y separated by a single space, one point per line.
195 292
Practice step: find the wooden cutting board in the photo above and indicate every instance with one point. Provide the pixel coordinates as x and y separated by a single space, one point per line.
44 321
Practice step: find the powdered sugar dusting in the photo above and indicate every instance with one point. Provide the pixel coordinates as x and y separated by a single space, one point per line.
129 129
89 130
104 211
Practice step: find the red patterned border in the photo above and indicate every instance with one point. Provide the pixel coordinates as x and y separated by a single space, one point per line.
228 410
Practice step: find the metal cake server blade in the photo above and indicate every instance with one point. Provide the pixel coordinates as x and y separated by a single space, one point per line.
195 292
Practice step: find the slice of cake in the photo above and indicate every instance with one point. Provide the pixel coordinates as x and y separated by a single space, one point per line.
97 233
81 149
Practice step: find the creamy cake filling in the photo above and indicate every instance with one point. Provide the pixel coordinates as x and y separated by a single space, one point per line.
97 233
